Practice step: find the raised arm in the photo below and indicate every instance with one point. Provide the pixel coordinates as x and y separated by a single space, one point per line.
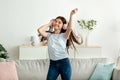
69 28
42 29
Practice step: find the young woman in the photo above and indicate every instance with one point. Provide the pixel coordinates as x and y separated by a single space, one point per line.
58 40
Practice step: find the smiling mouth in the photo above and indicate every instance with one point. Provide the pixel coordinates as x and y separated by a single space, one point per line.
55 26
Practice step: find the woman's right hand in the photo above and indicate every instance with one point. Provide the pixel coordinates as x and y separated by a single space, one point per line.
42 29
51 22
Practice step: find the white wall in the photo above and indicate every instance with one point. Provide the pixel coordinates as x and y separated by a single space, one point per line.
19 19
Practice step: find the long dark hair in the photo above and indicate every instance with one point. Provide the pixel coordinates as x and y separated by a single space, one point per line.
72 38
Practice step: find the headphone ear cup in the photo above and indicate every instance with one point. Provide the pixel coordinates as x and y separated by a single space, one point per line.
65 26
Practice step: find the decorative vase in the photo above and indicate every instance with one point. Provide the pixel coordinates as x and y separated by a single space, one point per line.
86 39
85 34
34 40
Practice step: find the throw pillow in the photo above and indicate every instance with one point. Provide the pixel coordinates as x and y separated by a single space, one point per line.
102 72
8 71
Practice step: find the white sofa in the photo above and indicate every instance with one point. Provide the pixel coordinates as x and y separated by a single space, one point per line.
82 69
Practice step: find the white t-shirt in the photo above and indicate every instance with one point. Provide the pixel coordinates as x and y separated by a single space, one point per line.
57 46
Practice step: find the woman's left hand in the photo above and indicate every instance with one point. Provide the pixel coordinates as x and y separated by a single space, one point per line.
74 11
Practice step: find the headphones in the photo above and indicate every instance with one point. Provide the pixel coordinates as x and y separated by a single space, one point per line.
65 26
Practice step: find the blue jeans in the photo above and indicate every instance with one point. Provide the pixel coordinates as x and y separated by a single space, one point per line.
61 67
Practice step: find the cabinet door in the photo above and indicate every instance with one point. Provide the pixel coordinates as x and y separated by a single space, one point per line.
32 52
85 52
88 52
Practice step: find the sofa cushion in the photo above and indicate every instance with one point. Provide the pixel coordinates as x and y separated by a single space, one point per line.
82 69
8 71
32 69
102 72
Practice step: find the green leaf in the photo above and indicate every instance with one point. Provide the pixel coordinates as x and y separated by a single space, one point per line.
3 52
84 24
2 48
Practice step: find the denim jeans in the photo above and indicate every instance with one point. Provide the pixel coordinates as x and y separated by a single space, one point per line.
61 67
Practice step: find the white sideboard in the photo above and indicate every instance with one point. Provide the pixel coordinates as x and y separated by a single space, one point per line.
41 52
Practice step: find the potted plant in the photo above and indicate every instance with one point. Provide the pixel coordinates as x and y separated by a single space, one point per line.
86 26
3 52
89 25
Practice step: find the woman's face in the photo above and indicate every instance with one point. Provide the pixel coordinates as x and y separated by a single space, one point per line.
57 24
